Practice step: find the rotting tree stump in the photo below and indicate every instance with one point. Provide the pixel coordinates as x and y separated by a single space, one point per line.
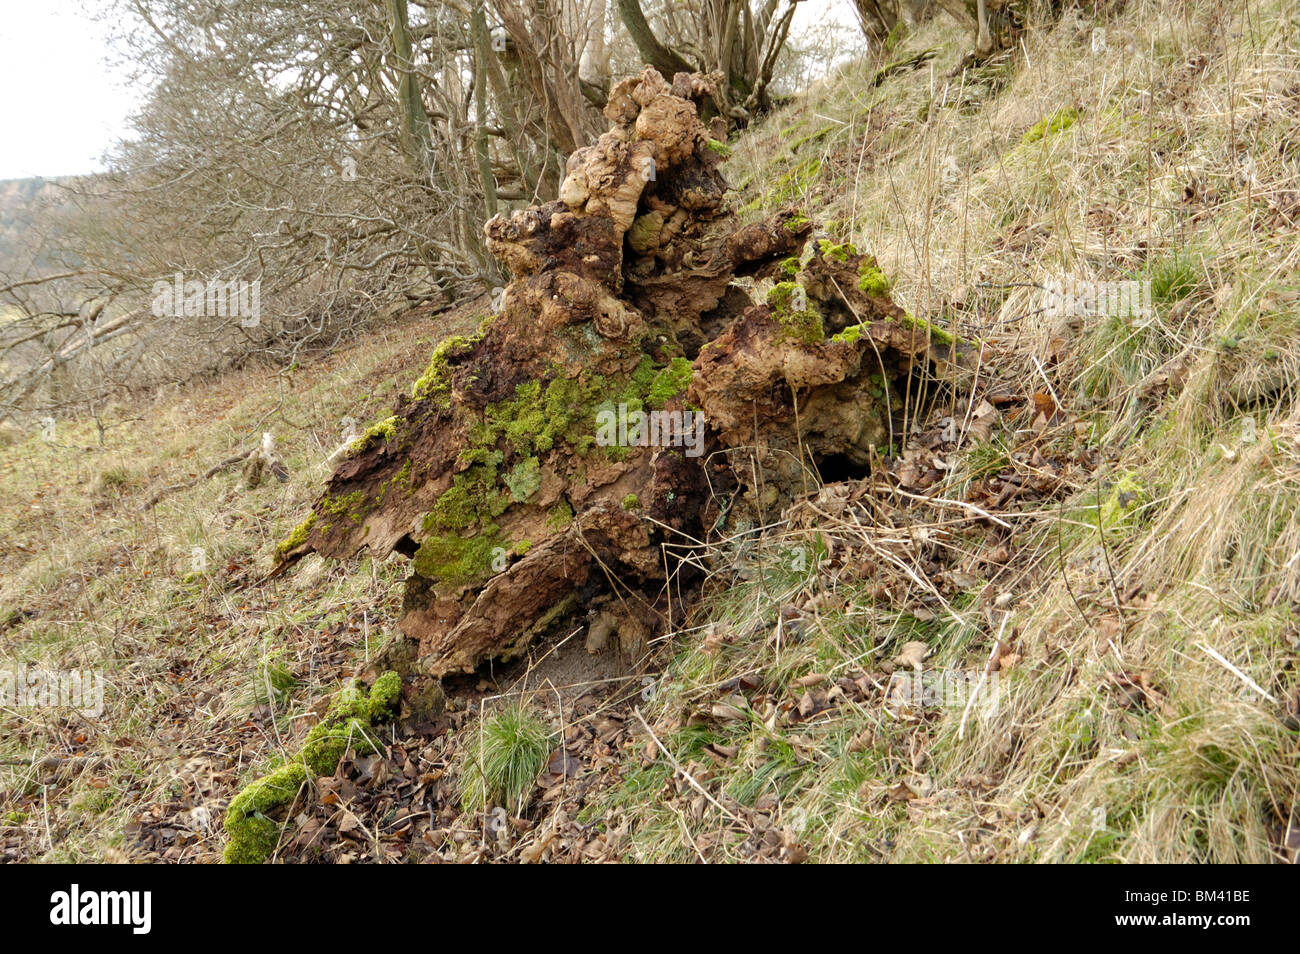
518 476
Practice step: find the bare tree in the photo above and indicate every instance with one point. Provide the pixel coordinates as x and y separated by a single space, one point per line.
740 40
342 155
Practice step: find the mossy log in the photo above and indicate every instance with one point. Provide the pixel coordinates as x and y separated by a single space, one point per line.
503 477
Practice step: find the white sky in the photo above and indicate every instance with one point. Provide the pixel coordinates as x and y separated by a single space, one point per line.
62 105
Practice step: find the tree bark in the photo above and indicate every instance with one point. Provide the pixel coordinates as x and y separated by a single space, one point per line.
656 54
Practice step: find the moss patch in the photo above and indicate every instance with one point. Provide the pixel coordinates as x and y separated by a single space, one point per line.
382 430
253 834
1059 121
296 538
849 335
836 253
789 306
455 560
872 280
435 383
669 382
936 333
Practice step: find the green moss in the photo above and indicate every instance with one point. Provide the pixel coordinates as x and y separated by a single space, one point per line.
789 268
348 724
253 836
816 135
936 333
718 146
796 222
537 417
385 695
1124 497
872 280
434 383
790 130
541 416
1059 121
456 560
798 180
631 502
296 538
384 430
802 324
560 517
836 253
13 817
354 506
850 334
473 497
669 382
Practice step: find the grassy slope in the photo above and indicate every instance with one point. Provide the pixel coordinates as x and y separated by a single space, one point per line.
1193 408
190 646
1172 158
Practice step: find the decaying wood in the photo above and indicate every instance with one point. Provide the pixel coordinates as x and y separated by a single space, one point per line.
491 476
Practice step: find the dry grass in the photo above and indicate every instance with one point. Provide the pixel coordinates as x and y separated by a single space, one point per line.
208 672
1146 708
1141 613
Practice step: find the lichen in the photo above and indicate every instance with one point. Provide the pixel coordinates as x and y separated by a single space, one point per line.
296 538
524 479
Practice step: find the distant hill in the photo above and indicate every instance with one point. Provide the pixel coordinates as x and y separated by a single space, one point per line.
22 201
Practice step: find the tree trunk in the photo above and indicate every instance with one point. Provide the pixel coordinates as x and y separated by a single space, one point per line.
416 139
667 61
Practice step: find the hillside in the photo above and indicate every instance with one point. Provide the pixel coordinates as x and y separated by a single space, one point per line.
1092 545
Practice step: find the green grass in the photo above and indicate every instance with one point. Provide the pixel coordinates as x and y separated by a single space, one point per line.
503 760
